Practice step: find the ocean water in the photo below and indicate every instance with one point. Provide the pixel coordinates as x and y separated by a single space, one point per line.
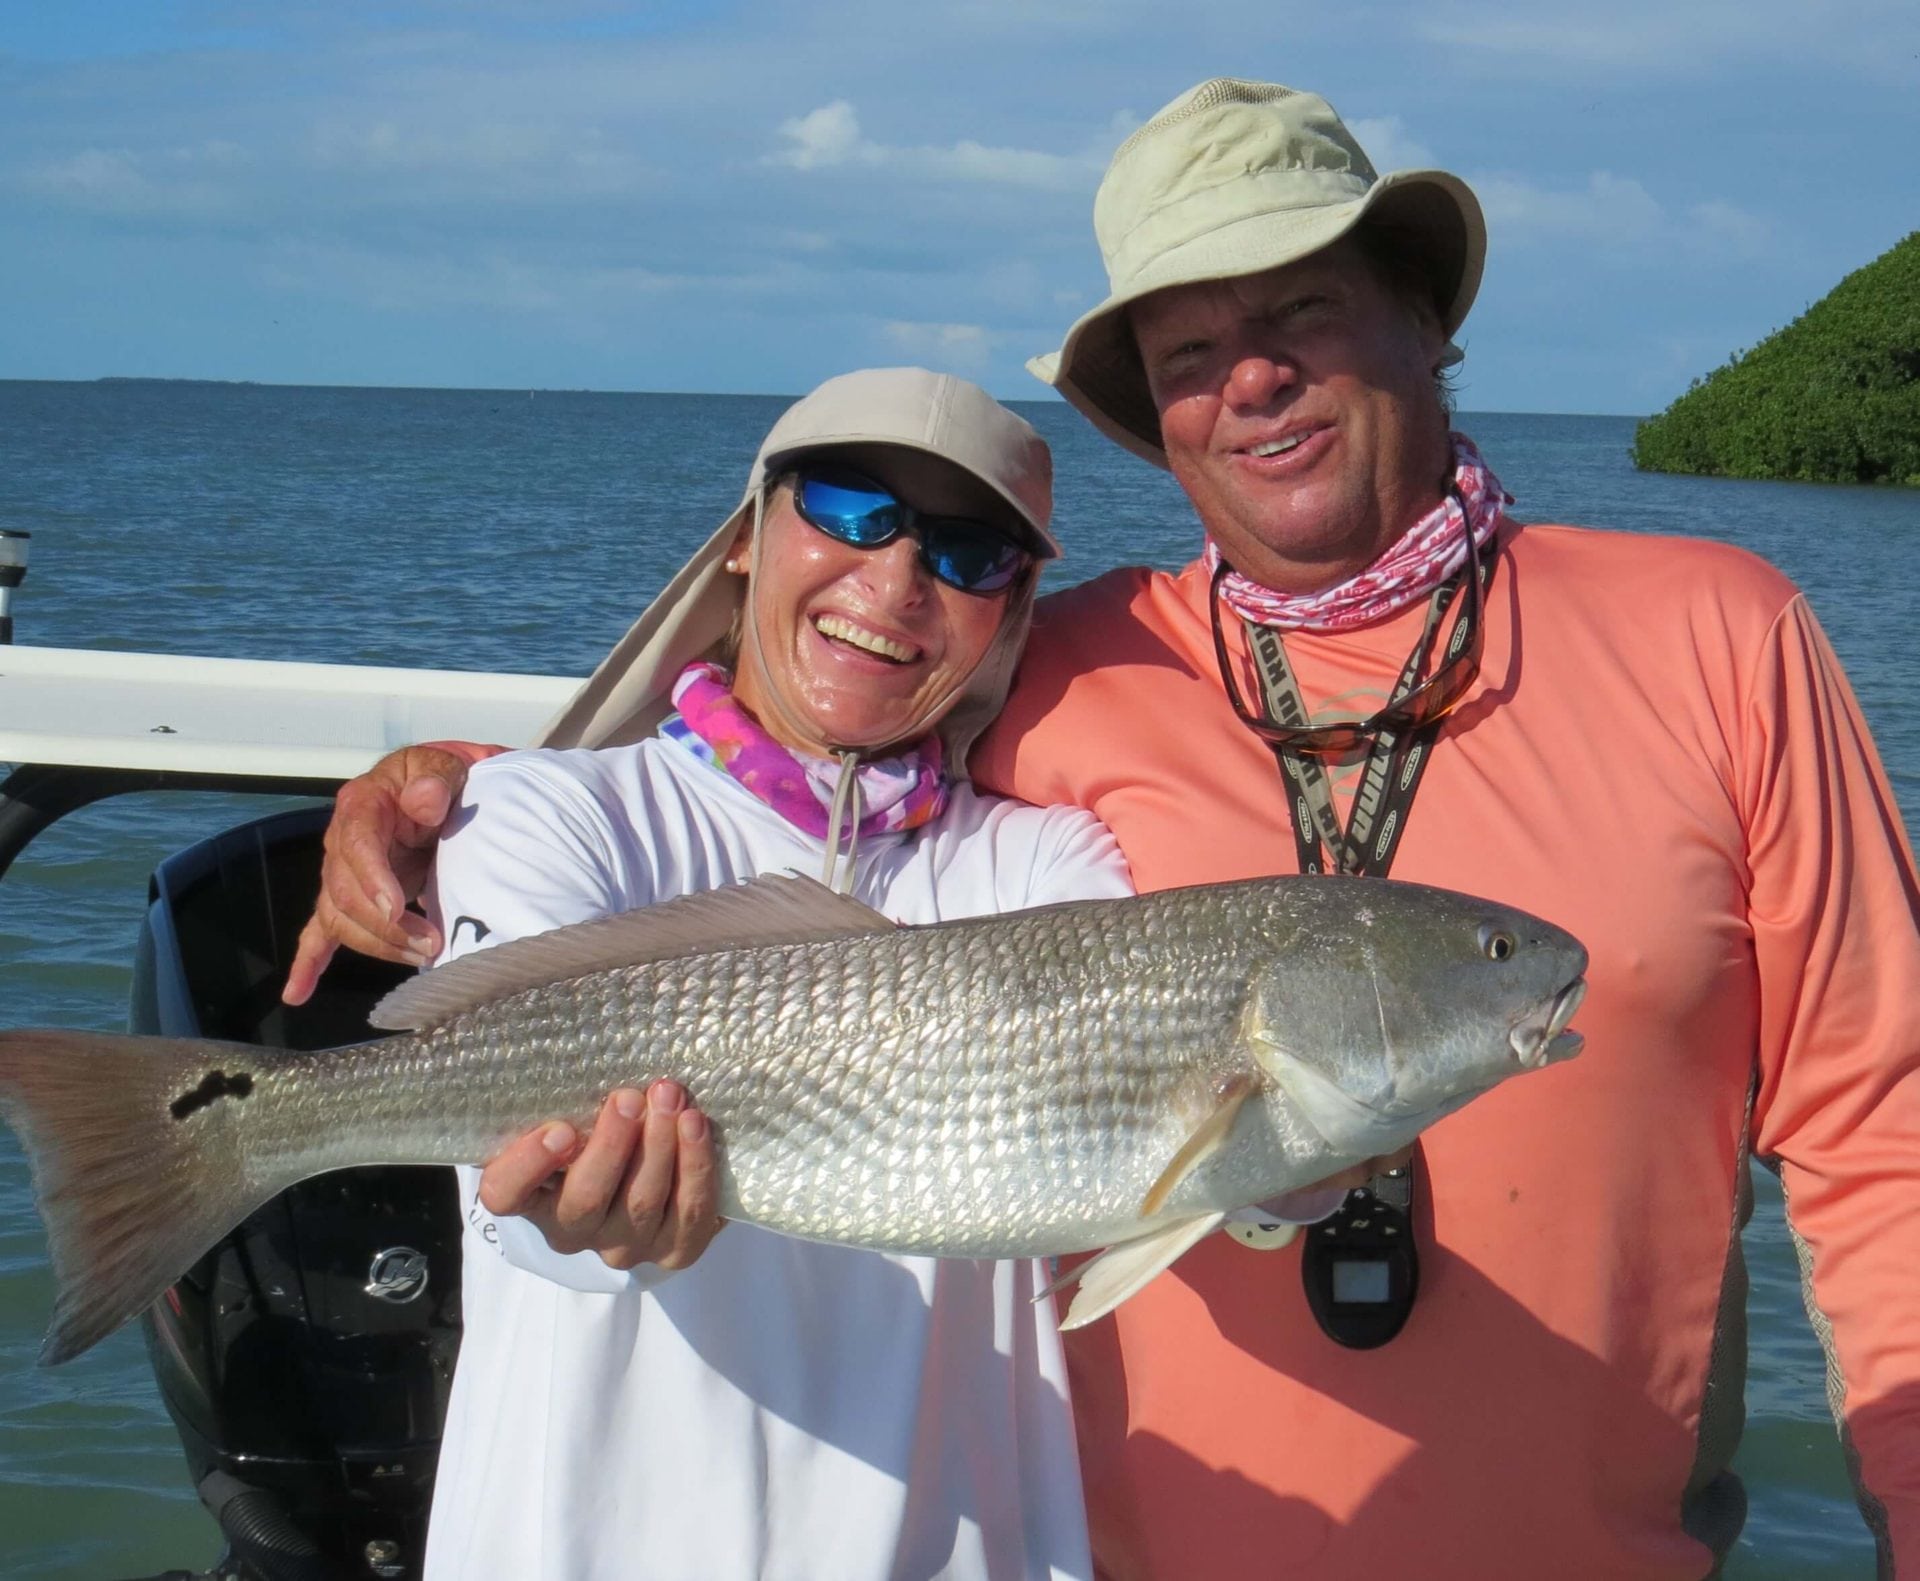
517 530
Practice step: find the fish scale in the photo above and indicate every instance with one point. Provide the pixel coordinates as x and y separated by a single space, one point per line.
1102 1073
829 1067
869 1095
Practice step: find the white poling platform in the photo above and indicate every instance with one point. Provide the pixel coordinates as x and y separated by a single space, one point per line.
251 716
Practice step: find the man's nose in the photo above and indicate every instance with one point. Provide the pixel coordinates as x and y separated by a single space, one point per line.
1256 377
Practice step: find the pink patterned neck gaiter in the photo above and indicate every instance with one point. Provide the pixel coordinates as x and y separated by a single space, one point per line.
1429 552
900 792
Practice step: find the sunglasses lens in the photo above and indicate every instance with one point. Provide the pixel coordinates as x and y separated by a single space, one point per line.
971 555
849 508
1445 690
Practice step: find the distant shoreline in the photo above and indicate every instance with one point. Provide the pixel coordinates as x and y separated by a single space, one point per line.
147 378
1040 399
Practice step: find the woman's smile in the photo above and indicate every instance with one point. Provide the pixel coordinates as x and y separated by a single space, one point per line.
861 648
840 630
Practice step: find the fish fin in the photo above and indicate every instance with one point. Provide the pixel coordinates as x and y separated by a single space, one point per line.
771 909
1207 1139
134 1165
1124 1270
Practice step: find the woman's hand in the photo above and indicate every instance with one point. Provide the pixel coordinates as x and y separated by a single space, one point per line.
640 1189
378 848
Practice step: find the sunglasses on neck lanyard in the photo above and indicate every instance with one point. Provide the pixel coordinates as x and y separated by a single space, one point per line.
1430 701
966 553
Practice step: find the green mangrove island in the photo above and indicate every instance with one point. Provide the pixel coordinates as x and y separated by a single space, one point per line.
1832 398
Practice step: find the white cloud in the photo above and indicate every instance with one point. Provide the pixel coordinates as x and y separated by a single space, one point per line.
799 241
120 181
830 137
1740 231
1585 242
1388 145
496 157
1608 208
1018 167
1616 214
410 284
1668 40
103 178
951 346
1536 37
560 291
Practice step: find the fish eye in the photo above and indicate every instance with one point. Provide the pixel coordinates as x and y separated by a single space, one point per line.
1497 944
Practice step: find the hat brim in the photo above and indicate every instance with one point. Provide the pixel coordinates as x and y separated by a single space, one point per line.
1098 369
630 691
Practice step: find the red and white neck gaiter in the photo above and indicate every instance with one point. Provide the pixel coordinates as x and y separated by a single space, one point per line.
1423 557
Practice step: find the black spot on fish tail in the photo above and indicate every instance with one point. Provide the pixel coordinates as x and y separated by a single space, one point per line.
217 1085
91 1110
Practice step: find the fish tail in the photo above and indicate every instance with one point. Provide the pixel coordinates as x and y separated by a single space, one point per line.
134 1169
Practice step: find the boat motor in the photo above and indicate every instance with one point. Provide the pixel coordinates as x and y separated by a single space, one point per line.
306 1359
13 571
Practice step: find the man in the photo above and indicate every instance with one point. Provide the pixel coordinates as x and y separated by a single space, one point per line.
1647 741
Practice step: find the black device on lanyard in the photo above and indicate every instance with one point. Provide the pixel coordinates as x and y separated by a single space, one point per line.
1361 1266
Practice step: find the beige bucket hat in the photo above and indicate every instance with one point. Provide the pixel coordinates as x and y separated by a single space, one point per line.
625 699
1233 178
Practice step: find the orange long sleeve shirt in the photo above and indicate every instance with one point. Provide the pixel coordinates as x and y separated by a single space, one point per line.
1662 755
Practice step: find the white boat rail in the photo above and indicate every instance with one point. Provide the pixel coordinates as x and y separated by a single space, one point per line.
252 718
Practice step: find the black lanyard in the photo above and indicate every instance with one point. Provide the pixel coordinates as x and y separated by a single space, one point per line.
1360 1268
1394 765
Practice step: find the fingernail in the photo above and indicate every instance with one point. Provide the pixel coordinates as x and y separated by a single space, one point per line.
693 1126
558 1139
628 1103
666 1097
417 961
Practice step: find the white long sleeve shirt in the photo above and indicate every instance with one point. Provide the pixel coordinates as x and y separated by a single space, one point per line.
781 1409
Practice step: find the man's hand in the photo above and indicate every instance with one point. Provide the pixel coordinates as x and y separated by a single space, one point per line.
1360 1174
641 1189
1311 1204
378 849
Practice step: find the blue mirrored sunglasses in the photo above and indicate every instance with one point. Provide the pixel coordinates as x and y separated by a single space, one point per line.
974 556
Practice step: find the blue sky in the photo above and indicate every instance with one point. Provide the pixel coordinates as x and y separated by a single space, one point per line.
745 195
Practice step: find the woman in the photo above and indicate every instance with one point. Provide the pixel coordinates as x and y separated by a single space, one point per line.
630 1400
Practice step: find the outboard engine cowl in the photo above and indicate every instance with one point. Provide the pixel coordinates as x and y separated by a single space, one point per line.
306 1359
